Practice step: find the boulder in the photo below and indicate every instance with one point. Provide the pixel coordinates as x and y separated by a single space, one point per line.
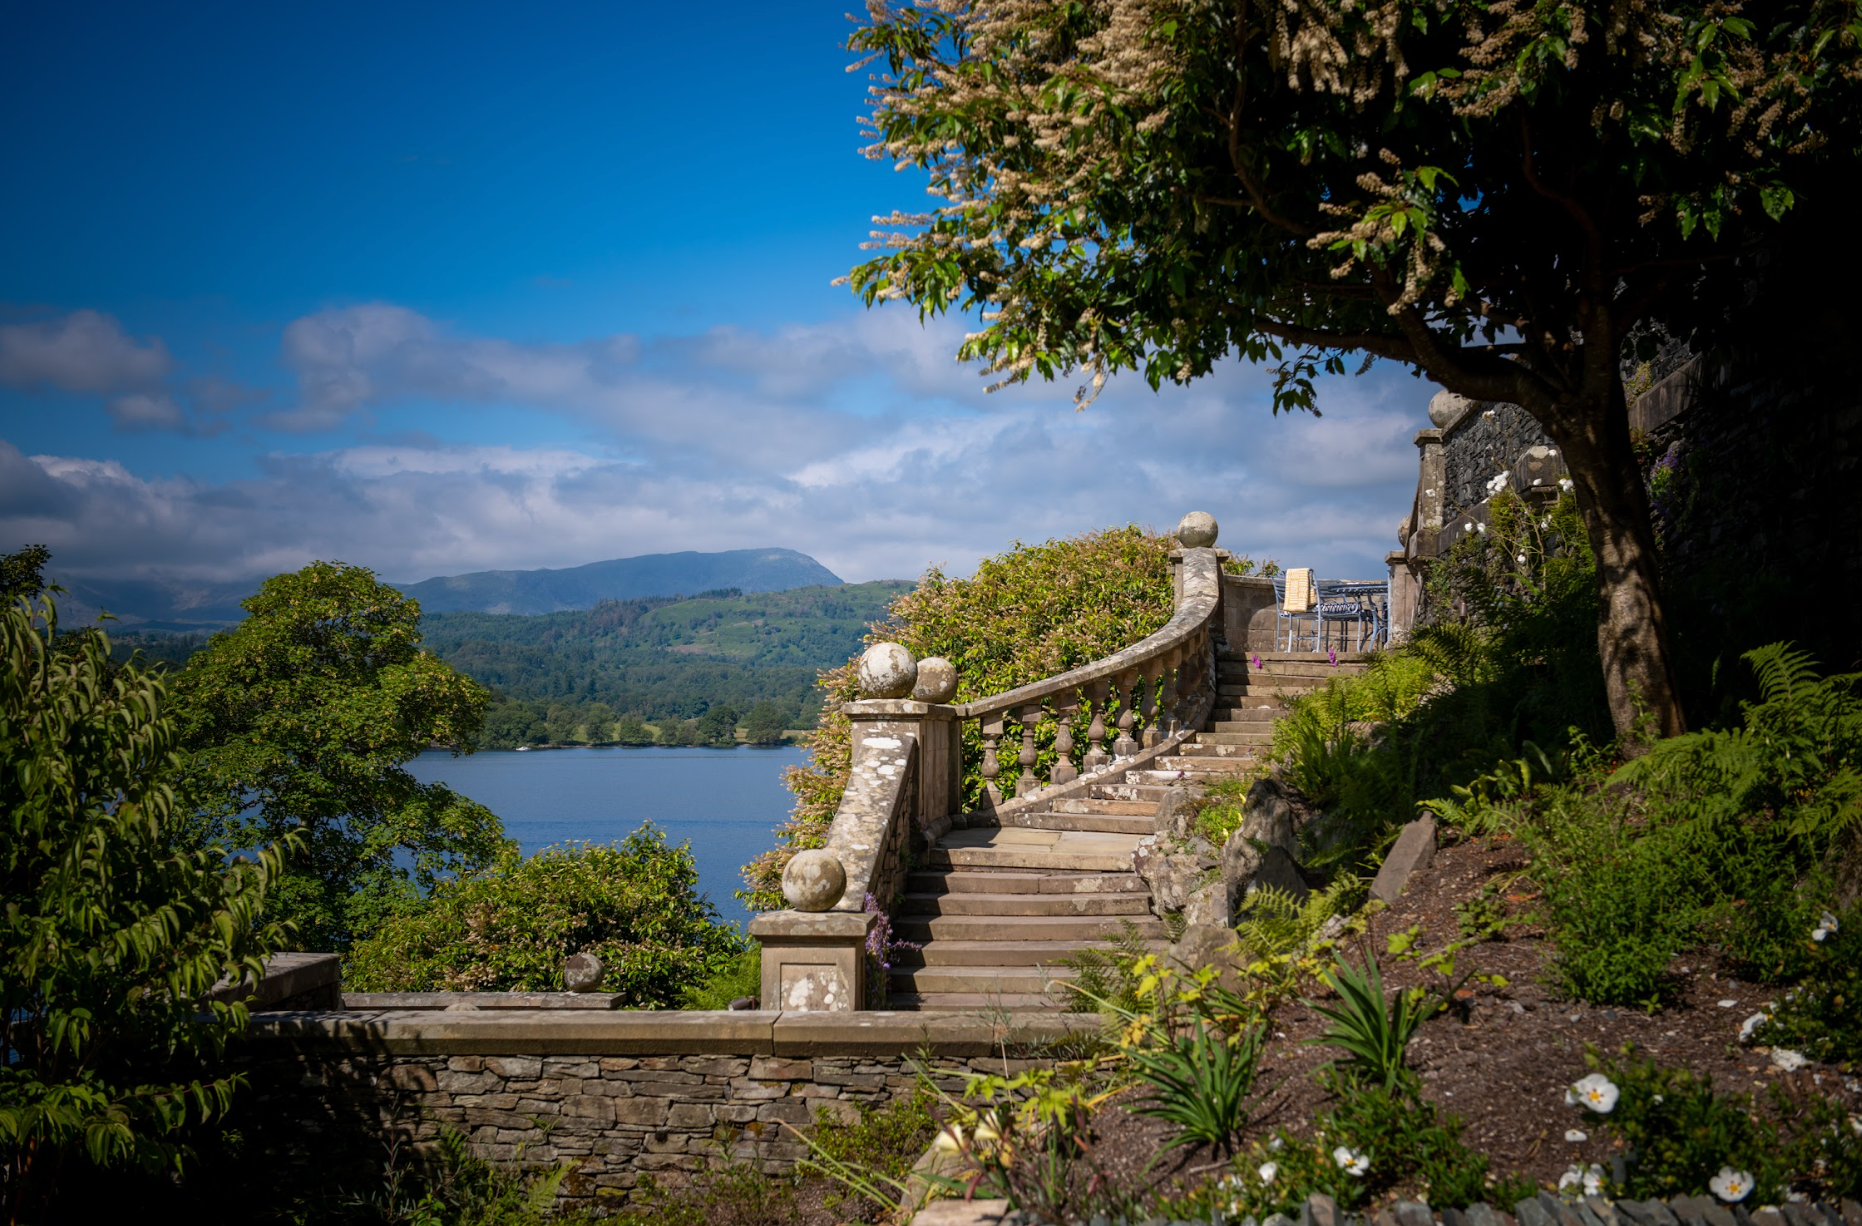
1214 945
1172 875
1176 815
1414 851
1267 817
1211 905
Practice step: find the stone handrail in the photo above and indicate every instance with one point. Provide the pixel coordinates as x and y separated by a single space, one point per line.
905 782
1158 686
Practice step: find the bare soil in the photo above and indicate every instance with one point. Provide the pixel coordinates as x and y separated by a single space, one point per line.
1503 1057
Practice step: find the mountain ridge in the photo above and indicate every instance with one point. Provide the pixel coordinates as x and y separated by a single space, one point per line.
164 605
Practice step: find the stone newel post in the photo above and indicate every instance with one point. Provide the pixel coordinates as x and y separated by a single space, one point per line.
906 772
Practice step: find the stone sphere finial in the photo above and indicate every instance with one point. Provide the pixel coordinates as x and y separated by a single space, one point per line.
887 670
1196 530
1445 406
937 680
813 880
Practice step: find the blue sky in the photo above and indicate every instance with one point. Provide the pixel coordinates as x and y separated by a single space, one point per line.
447 288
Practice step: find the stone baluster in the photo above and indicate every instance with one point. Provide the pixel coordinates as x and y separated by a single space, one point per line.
1065 705
1030 716
1125 747
1096 755
992 738
1153 668
1167 720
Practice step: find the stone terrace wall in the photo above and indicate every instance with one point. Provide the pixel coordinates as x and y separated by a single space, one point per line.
621 1095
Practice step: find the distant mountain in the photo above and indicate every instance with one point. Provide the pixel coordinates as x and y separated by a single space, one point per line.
654 574
165 606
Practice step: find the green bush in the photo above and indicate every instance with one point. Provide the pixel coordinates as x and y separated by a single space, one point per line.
112 925
1822 1016
1026 614
634 905
741 976
1723 836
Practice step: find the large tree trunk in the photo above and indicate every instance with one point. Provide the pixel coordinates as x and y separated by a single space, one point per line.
1632 628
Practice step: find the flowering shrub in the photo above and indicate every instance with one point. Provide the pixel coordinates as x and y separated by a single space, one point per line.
1822 1017
1682 1138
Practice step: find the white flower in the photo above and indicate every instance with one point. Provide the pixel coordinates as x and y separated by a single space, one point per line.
1590 1179
1274 1144
1596 1091
1566 484
1750 1026
1468 527
1268 1171
1352 1162
1480 527
1575 1137
1824 927
1521 559
1731 1186
1658 1099
949 1140
1572 1178
1788 1061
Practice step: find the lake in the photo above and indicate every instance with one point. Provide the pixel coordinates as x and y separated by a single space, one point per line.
727 802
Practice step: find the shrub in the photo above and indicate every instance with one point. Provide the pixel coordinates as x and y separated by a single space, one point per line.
112 927
633 904
741 976
1822 1017
1026 614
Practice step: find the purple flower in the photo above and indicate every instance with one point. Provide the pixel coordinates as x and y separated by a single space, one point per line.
1332 655
1256 660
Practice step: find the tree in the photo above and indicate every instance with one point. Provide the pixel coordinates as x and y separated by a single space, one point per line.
303 718
765 724
1498 195
598 719
110 931
676 731
718 726
22 574
510 724
630 729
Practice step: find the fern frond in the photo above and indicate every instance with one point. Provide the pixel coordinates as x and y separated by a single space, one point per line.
1782 671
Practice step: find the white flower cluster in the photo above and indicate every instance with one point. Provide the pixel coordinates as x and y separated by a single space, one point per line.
1353 1162
1498 482
1596 1091
1731 1186
1589 1179
1566 484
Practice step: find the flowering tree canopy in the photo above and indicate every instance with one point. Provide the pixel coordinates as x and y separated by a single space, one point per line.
1493 192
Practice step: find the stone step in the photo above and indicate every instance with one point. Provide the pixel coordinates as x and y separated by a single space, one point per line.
1024 981
1025 904
1291 681
1265 713
1129 790
1273 659
958 1002
996 953
966 881
1081 930
1210 770
1248 749
1257 689
1249 734
1093 804
1066 820
1015 847
1179 762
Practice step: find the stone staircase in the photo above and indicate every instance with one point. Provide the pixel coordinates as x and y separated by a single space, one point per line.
996 908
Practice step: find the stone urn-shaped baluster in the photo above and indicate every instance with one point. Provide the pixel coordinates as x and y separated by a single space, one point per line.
1096 756
1064 707
1125 747
1153 669
992 766
1030 716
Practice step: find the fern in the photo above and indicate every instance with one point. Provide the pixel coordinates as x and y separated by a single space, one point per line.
1278 925
1105 975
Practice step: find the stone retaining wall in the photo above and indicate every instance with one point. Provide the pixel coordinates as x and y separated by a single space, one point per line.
619 1095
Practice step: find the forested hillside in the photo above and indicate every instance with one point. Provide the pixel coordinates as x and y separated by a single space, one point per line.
604 674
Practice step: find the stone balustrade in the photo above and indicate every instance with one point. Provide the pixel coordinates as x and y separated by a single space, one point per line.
1037 742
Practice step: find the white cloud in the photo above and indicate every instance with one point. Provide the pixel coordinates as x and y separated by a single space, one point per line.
85 351
860 441
147 411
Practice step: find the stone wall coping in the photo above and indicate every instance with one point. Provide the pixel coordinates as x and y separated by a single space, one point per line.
286 975
826 925
376 1002
553 1032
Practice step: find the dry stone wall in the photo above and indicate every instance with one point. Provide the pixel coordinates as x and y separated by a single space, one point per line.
619 1096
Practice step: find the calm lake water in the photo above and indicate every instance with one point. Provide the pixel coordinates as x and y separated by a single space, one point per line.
726 801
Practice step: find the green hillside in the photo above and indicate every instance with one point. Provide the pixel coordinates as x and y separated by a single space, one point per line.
596 674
